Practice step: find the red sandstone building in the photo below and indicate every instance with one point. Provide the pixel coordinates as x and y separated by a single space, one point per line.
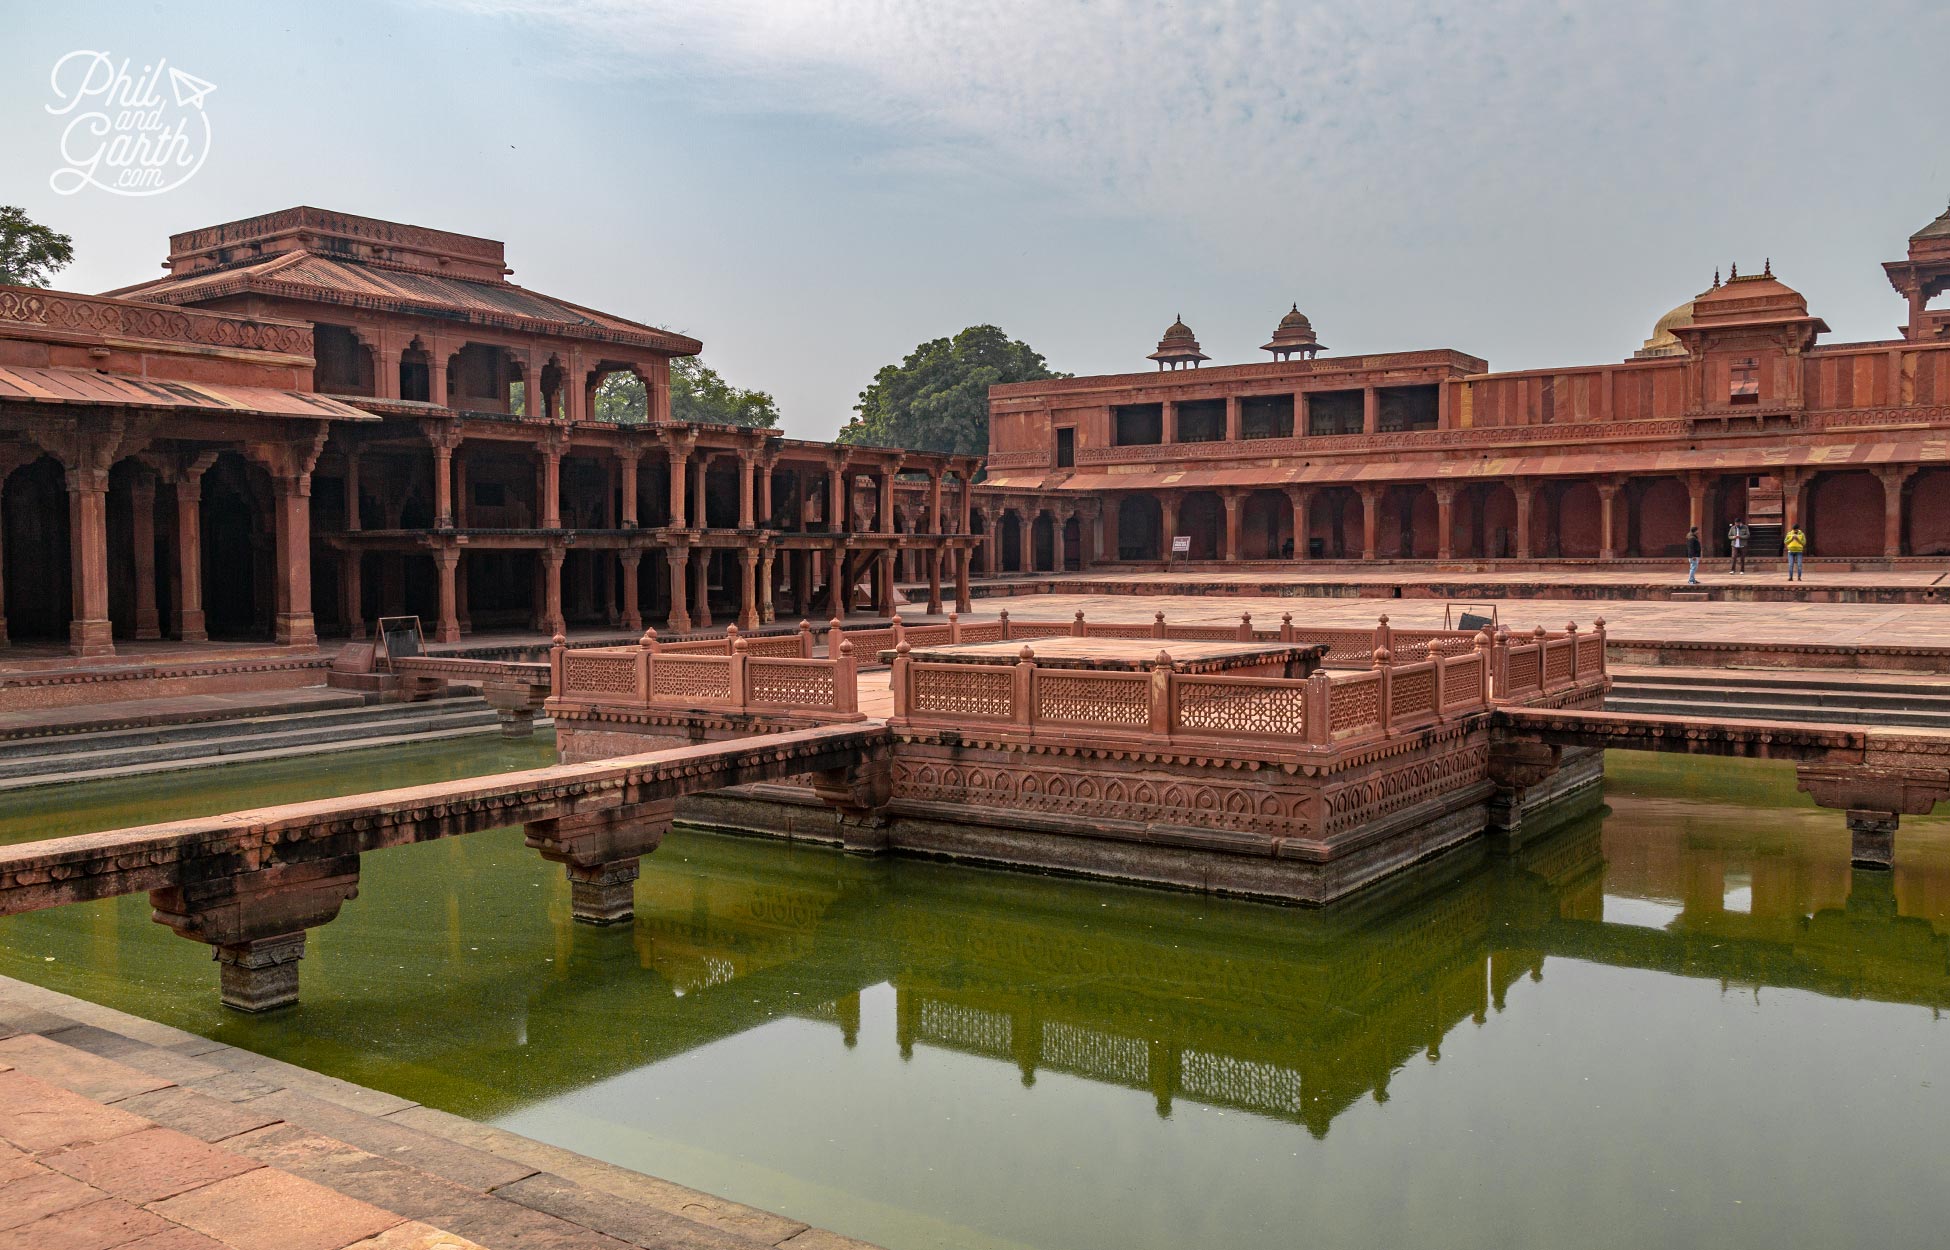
1733 409
317 419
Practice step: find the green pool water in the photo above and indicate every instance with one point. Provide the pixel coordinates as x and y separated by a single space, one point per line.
1685 1021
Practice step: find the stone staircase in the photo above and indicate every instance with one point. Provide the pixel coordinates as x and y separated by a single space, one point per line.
106 750
1885 700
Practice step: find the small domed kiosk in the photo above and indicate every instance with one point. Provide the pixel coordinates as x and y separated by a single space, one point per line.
1178 349
1294 336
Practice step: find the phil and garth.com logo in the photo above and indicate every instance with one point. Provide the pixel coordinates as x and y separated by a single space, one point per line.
123 134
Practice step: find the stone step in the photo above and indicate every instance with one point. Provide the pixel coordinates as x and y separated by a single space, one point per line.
81 718
310 750
1776 696
1785 712
212 730
90 759
1797 680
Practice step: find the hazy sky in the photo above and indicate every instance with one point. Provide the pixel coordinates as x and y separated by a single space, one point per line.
813 188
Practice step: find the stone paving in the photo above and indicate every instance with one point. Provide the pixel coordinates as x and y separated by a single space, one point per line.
1831 624
117 1133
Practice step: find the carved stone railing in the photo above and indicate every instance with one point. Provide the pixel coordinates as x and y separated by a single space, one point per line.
711 675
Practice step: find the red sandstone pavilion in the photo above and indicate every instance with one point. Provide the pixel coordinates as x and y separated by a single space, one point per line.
1732 409
318 419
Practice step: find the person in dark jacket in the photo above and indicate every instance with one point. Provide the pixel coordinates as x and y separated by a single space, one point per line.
1692 556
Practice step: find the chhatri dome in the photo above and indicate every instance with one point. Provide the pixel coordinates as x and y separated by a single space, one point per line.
1663 341
1178 348
1294 334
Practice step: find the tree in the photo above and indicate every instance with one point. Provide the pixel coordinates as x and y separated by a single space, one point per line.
938 398
697 393
30 253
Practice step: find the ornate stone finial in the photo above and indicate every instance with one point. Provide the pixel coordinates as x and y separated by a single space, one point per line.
1540 633
805 626
904 647
1286 618
649 638
1767 270
1570 627
834 623
731 631
1026 653
1483 640
1246 619
954 618
559 640
1733 271
897 617
1716 277
1383 619
1599 624
1003 616
1158 617
846 647
1383 657
1164 658
739 645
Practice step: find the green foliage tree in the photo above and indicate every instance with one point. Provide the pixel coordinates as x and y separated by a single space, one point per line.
30 253
697 393
938 398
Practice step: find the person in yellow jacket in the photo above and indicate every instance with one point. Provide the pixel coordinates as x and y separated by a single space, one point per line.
1796 543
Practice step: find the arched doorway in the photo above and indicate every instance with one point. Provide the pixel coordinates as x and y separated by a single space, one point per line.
1406 526
1926 514
1043 543
1660 513
1140 528
1844 514
1202 518
1008 536
978 555
1266 526
1571 516
1484 522
1334 520
34 507
1072 545
238 551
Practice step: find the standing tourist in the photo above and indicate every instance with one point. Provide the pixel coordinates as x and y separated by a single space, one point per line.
1797 542
1737 546
1692 556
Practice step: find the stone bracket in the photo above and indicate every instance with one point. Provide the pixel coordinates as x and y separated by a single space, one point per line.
257 922
600 852
859 793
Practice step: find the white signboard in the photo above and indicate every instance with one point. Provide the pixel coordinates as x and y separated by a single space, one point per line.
1181 545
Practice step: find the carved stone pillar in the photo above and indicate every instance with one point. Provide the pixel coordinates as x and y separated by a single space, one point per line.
447 621
766 615
1445 521
443 479
632 613
1301 499
627 466
1607 520
1370 410
701 597
188 608
1526 496
934 581
962 601
1233 501
748 586
1893 479
1370 516
294 626
551 451
89 633
352 590
552 620
679 560
746 492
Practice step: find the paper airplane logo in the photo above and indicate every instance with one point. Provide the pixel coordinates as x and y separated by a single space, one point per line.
189 89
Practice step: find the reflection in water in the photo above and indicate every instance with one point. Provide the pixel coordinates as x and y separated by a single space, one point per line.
1738 1038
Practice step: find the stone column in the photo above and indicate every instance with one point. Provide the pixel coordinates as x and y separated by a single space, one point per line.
189 556
1370 518
352 586
632 614
1526 496
883 584
1167 522
460 595
1790 498
700 485
294 626
1232 419
142 508
837 520
839 585
443 481
934 581
552 620
1445 521
764 491
701 595
1696 503
89 633
437 372
1233 501
746 491
679 466
1872 838
551 509
1301 498
627 466
601 853
766 614
679 560
963 603
1370 410
1168 422
967 499
1607 516
1893 479
462 513
447 622
887 501
1026 542
748 585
